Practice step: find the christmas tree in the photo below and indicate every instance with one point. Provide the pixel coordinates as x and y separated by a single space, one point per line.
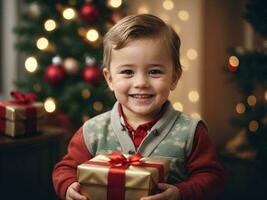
61 41
248 70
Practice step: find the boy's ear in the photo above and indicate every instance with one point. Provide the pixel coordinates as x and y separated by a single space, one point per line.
175 80
108 78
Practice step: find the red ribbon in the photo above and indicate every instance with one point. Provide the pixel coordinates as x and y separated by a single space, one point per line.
23 98
118 164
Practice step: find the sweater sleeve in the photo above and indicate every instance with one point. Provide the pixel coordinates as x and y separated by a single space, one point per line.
206 175
65 171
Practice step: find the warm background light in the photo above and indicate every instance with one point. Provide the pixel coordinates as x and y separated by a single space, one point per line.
115 3
168 5
86 94
195 115
143 10
50 25
192 54
92 35
193 96
253 126
98 106
183 15
233 61
50 105
240 108
69 13
42 43
31 64
178 106
252 100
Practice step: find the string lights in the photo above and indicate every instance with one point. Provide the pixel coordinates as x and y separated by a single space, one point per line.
50 25
50 105
42 43
31 64
69 13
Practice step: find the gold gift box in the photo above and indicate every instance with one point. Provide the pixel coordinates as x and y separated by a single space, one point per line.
140 181
18 112
18 128
15 118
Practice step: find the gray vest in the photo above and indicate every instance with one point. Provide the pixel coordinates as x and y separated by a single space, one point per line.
171 137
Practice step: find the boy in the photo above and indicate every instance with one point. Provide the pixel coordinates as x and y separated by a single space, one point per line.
141 60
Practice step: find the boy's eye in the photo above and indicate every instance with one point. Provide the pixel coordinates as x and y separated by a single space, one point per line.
155 71
127 72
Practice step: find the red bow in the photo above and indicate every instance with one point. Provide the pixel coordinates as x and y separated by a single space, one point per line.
23 98
118 159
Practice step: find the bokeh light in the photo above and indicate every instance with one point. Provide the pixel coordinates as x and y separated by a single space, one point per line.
69 13
193 96
31 64
92 35
50 25
42 43
50 105
178 106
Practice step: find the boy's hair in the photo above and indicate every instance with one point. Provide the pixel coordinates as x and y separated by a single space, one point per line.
142 26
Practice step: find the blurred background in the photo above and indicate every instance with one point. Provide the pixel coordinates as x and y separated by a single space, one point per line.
54 49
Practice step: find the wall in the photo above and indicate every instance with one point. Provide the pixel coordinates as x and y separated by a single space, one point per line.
8 73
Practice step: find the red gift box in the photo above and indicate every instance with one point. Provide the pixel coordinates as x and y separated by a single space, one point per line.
21 116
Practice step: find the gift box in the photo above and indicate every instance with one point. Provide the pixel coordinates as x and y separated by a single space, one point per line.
121 177
21 117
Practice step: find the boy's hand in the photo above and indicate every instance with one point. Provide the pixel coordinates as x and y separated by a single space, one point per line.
170 192
73 192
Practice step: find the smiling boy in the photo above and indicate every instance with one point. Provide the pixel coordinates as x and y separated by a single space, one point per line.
141 66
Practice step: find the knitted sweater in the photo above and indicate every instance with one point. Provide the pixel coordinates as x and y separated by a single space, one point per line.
171 137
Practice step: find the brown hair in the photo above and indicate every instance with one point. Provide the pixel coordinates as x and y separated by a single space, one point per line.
141 26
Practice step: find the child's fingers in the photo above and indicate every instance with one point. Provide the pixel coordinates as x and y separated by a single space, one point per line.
74 195
163 186
76 186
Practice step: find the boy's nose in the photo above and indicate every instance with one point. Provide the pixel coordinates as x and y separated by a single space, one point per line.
141 81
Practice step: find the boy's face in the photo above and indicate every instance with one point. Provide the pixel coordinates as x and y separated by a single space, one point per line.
141 75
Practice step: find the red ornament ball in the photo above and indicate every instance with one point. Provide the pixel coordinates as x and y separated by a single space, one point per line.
92 74
89 12
54 74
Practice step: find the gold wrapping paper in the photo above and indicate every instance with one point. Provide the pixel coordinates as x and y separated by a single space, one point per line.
18 128
18 112
140 181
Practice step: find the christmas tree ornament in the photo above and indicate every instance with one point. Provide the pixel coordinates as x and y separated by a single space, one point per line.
71 66
92 73
71 29
89 12
55 72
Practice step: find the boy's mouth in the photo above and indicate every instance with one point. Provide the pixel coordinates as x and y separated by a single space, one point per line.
141 96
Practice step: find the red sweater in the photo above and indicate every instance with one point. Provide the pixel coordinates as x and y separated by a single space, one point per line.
206 179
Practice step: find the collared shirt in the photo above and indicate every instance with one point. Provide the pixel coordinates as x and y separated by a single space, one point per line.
140 133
